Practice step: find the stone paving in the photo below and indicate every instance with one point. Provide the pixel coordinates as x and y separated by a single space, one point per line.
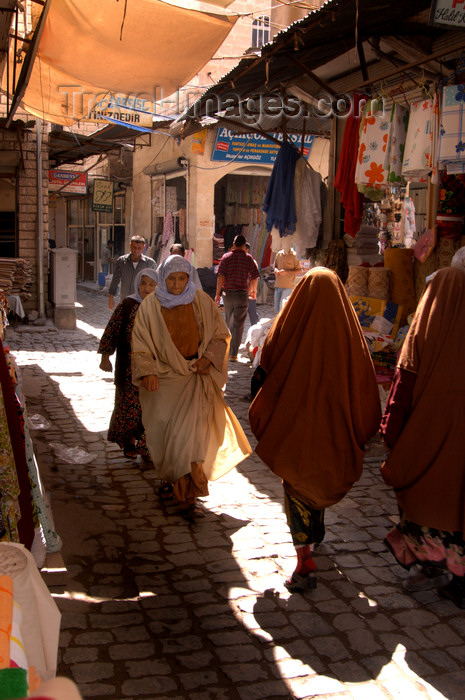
155 608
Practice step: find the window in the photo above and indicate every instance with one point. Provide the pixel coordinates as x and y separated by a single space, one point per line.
260 31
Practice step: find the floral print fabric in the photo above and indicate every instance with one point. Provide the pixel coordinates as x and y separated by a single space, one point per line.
126 420
411 543
370 169
381 150
306 524
394 155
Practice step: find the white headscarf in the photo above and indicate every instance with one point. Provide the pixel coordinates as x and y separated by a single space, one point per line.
174 263
146 272
459 259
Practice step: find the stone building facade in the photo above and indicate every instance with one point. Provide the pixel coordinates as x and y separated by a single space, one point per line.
24 201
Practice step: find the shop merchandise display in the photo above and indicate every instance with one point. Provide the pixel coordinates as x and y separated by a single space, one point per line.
408 229
29 624
29 617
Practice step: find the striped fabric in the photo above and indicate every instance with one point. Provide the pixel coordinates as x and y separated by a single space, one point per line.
237 267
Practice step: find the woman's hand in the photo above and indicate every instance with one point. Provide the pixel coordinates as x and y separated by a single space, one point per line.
105 364
150 382
202 366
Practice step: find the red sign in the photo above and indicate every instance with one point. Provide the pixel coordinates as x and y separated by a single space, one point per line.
71 182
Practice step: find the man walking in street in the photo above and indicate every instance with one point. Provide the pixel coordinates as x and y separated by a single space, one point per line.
238 276
105 256
126 269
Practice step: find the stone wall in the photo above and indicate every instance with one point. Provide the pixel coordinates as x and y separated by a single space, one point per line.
18 144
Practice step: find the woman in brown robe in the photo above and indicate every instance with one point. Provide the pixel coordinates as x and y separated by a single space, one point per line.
318 406
423 426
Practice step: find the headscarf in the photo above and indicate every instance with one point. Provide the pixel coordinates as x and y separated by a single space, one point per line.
320 402
174 263
458 259
146 272
427 464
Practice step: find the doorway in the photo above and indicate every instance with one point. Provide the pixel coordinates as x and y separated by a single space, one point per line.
8 243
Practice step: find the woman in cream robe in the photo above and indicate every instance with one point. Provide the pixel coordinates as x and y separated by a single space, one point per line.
179 361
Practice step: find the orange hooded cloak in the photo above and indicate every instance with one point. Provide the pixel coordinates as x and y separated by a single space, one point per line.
427 464
319 403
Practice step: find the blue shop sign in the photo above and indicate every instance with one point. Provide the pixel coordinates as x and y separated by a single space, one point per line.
253 148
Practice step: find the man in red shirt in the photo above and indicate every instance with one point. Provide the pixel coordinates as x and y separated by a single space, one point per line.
238 275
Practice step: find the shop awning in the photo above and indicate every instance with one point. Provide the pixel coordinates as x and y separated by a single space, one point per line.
67 147
386 48
144 49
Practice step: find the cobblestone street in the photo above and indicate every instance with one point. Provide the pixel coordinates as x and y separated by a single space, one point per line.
155 608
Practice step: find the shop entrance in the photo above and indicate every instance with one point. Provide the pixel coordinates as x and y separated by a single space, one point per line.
169 214
8 217
238 209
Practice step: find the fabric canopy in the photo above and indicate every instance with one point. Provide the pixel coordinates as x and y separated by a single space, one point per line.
143 48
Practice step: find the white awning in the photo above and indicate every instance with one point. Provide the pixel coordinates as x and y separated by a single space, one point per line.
145 49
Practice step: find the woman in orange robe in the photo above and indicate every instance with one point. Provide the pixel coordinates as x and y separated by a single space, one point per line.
423 426
318 406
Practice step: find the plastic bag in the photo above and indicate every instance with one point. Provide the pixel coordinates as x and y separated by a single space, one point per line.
72 455
425 244
38 422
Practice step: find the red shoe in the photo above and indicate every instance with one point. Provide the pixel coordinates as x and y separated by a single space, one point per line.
298 583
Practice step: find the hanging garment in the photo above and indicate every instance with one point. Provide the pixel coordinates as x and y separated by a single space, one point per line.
407 223
266 259
168 236
452 136
279 202
397 135
421 143
344 181
374 134
307 185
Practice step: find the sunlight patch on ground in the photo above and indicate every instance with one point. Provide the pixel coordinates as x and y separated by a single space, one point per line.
372 603
89 390
83 598
91 330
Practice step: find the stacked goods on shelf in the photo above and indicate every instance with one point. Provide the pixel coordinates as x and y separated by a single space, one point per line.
363 248
16 277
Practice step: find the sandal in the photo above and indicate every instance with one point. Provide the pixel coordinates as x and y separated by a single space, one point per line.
165 492
129 451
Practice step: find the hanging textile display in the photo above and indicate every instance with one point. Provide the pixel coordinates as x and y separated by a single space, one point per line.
52 540
32 629
168 236
370 168
452 135
279 202
407 222
26 523
9 486
344 180
307 186
421 146
395 148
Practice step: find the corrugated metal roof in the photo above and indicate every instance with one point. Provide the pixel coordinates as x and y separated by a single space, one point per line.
344 45
67 147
